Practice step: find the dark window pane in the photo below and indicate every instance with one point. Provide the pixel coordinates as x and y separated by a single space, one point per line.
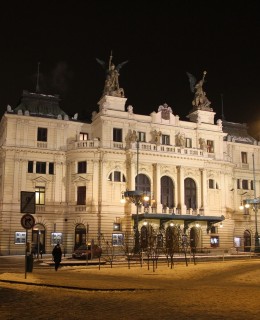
40 167
51 168
81 198
211 183
117 135
30 166
82 167
42 134
117 175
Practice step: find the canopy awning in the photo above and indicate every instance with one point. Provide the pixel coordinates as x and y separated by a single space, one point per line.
187 219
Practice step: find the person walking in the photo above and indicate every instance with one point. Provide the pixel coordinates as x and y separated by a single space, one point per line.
57 254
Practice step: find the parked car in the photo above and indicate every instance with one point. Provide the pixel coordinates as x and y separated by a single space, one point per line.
82 251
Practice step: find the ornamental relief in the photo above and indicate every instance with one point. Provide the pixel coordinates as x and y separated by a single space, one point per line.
188 173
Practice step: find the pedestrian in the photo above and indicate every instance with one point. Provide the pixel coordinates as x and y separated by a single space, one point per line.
57 254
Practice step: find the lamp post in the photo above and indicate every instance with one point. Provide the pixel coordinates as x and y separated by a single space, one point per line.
138 198
257 248
255 203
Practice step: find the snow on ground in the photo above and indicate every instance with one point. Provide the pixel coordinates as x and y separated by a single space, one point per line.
207 290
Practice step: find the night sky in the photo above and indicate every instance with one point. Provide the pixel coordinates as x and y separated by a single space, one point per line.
161 41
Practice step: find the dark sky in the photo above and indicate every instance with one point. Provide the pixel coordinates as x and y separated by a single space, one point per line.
161 40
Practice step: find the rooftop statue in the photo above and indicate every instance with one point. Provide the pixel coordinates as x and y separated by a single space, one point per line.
112 74
200 100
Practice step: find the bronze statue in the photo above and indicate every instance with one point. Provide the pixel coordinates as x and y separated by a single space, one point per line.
200 100
112 74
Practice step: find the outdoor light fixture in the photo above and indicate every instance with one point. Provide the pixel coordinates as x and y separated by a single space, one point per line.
138 197
122 200
255 202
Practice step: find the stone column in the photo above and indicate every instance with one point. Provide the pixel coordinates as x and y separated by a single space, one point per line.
202 203
157 187
180 191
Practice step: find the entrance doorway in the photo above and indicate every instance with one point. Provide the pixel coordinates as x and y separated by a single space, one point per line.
80 235
247 241
38 240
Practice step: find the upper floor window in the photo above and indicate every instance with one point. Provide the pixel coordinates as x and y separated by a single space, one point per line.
83 136
244 157
40 167
40 195
252 184
81 195
141 136
30 166
117 135
238 183
51 168
211 184
117 176
210 146
245 184
188 143
82 167
165 139
42 134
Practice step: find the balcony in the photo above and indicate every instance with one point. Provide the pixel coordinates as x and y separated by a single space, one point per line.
143 146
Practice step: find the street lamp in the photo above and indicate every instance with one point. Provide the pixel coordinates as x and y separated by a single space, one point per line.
255 203
138 198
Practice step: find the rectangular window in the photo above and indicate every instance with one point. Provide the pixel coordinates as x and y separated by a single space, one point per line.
244 157
82 167
19 237
141 136
40 195
30 166
211 184
117 239
42 134
165 139
81 195
188 143
210 146
252 184
245 184
51 168
117 135
238 183
40 167
83 136
56 237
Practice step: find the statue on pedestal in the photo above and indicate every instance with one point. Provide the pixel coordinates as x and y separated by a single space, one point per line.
111 87
200 100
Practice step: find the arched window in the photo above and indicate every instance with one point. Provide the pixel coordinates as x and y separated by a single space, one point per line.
142 183
117 176
167 192
190 193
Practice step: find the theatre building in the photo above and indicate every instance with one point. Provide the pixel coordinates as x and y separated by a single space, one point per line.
90 178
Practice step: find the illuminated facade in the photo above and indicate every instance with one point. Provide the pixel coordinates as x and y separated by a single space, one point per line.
196 172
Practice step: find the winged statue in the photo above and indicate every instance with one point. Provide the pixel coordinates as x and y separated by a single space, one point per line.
112 74
200 100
